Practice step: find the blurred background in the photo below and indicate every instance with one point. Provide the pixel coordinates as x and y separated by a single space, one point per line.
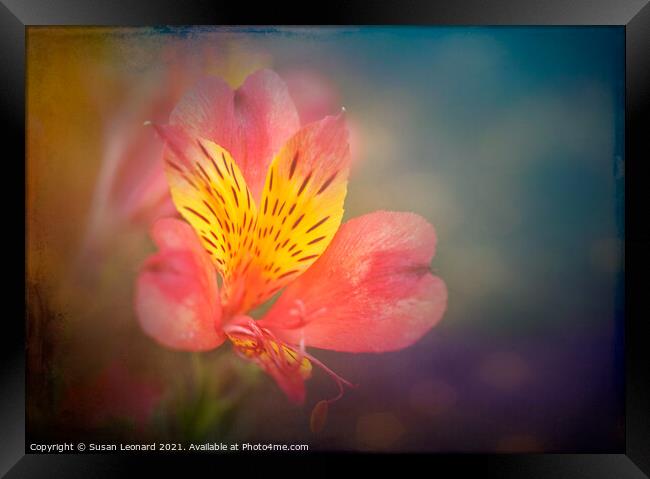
508 140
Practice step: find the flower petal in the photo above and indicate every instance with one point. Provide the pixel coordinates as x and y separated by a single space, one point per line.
259 250
301 207
212 195
177 301
371 291
208 111
266 118
252 123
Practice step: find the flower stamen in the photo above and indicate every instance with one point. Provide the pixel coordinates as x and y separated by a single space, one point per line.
266 349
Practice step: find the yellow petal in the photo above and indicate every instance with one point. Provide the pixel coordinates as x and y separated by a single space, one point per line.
210 192
258 249
301 208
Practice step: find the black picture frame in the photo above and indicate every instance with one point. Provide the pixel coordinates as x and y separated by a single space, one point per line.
633 15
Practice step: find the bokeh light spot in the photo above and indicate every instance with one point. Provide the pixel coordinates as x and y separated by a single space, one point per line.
506 371
378 431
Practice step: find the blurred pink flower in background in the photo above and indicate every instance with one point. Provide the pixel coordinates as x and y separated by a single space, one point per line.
264 198
114 393
315 97
131 187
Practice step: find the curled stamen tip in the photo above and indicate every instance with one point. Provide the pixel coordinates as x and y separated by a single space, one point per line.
318 416
147 123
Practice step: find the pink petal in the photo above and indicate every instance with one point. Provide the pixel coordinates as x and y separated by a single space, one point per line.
252 123
208 110
177 297
313 94
371 291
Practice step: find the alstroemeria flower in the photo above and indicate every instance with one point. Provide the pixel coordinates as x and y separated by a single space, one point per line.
263 200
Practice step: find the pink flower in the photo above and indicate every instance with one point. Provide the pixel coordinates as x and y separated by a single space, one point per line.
263 201
116 393
131 185
312 94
